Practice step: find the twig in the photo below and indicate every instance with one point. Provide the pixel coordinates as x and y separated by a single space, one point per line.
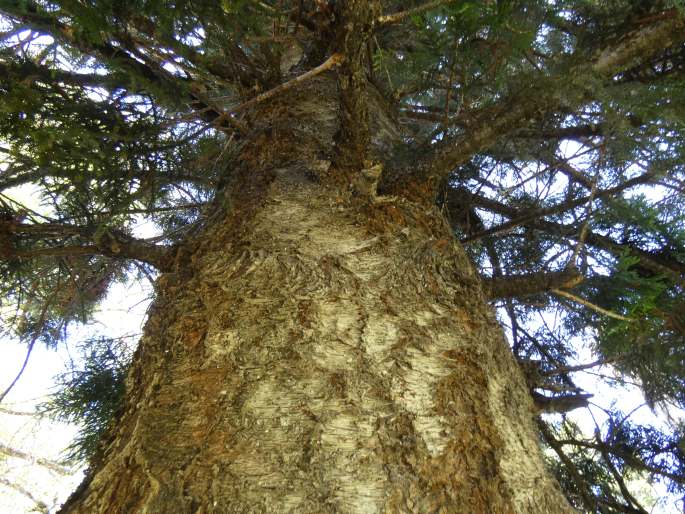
46 463
578 367
589 305
39 505
389 19
236 124
16 412
333 61
584 228
32 343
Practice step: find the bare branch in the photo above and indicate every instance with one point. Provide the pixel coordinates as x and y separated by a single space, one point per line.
333 61
16 412
389 19
589 305
46 463
39 505
578 367
29 350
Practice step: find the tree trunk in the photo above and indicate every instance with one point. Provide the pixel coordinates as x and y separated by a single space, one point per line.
320 352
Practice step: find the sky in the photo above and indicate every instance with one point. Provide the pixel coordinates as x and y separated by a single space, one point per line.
121 314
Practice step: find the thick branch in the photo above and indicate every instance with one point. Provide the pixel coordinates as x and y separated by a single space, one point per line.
110 243
563 403
514 286
574 132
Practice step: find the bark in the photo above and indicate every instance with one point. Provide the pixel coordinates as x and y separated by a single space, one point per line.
316 351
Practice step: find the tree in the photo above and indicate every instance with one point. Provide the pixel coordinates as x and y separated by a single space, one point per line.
339 189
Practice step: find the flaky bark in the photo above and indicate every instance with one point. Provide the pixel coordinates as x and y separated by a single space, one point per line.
319 352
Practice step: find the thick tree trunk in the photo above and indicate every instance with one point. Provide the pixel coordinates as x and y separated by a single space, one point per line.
319 353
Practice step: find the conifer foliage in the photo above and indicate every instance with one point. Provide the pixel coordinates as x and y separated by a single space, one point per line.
550 132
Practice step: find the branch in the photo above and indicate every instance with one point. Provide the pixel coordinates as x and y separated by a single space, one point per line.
46 463
627 458
572 173
619 479
585 492
546 95
588 498
665 31
514 286
333 61
121 246
563 403
590 305
39 505
29 350
31 14
662 263
578 367
16 412
34 71
35 17
389 19
110 243
559 208
575 132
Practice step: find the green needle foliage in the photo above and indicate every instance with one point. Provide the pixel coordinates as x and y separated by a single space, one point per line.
91 394
551 135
